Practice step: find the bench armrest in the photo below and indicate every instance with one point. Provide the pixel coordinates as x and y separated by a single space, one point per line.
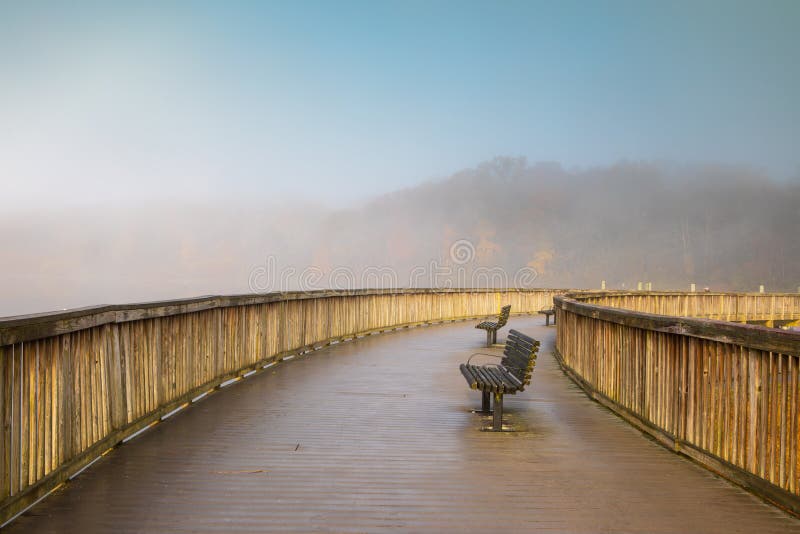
483 354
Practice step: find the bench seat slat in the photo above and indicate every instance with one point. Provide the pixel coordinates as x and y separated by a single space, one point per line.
496 375
488 381
500 378
467 371
510 384
475 377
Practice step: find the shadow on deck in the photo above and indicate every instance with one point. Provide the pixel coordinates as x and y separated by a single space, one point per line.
378 434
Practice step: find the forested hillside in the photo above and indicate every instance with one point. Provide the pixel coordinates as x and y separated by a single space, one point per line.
722 227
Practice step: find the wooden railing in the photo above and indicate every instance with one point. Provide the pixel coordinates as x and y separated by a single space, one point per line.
734 307
75 384
727 395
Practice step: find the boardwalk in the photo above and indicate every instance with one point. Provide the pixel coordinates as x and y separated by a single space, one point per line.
377 434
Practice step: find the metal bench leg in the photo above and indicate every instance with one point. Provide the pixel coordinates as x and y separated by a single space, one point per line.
546 320
485 407
488 338
497 422
494 337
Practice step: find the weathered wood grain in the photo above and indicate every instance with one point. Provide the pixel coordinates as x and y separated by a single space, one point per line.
75 383
722 393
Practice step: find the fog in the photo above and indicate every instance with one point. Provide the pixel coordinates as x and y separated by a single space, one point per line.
536 225
157 151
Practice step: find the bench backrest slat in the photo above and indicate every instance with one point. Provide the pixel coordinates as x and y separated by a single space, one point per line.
519 356
502 319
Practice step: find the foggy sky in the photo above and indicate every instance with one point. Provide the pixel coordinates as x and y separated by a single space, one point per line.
156 151
339 101
729 228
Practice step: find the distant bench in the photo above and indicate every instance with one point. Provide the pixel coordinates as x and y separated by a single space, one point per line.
492 327
511 375
547 313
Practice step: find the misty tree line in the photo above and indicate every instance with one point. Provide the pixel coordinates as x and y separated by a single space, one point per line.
728 228
724 227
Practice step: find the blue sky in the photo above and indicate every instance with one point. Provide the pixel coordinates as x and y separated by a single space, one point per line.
337 101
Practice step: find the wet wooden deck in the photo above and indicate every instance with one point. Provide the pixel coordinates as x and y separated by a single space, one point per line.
377 434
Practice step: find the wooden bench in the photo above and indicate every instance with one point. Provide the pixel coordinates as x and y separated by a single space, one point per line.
547 313
492 327
511 375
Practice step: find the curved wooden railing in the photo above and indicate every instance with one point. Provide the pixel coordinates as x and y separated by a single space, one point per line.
733 307
74 384
724 394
